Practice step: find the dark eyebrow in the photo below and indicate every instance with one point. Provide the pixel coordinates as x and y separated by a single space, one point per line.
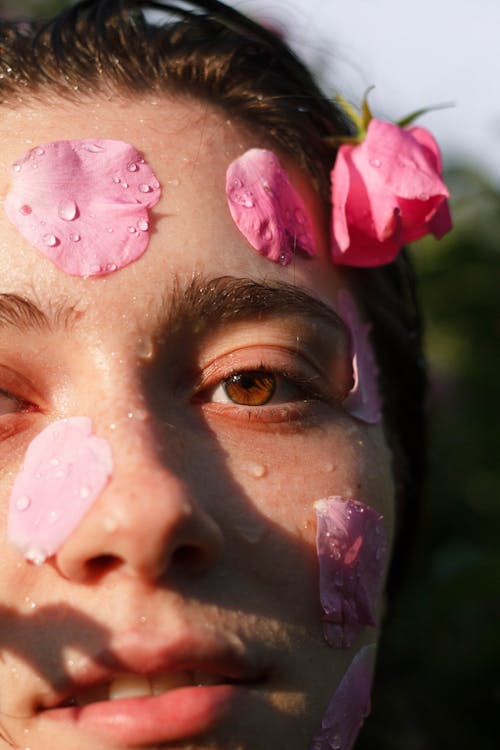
228 299
21 312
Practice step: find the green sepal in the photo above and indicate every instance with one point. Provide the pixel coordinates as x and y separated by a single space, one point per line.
366 113
340 140
405 121
351 112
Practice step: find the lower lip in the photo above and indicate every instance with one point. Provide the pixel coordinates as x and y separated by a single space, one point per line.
172 716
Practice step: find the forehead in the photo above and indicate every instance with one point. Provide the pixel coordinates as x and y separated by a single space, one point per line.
189 146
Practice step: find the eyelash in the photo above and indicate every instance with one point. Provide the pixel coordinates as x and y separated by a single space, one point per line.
22 405
281 379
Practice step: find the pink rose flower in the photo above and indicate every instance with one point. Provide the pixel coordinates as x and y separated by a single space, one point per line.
386 191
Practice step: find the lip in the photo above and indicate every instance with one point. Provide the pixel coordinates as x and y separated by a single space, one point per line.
177 714
172 716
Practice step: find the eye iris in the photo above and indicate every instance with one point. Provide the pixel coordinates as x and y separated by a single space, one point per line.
250 388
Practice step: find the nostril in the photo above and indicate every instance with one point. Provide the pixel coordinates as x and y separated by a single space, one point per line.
190 557
101 564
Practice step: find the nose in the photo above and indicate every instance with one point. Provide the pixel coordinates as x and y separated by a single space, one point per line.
146 522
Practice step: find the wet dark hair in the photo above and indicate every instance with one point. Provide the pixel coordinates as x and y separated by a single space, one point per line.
209 51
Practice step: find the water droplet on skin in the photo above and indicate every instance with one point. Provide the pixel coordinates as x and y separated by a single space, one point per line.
329 468
132 230
16 167
143 225
50 240
112 426
109 229
23 502
155 184
39 151
251 532
110 267
54 462
74 237
236 182
95 268
124 184
145 188
283 259
375 163
68 209
25 210
116 180
257 471
92 148
110 524
35 555
132 167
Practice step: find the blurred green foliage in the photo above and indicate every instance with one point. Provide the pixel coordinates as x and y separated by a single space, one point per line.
438 683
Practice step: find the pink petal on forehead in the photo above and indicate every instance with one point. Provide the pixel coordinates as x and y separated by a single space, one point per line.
266 208
352 549
65 469
84 204
349 706
363 401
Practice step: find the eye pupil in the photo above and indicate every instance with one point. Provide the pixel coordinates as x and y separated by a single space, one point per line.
250 388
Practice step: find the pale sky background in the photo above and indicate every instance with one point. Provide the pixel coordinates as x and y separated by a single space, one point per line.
416 53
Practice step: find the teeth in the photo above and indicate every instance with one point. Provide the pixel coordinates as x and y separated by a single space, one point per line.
137 686
129 686
163 682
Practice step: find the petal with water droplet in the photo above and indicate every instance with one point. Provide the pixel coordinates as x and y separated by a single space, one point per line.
363 400
352 563
70 457
77 190
266 208
349 706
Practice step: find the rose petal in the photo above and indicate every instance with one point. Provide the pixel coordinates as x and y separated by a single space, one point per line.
349 706
266 208
363 400
84 204
352 548
65 469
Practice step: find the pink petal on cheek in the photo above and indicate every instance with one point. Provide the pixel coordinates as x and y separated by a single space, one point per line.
65 469
349 706
363 402
352 548
84 204
266 208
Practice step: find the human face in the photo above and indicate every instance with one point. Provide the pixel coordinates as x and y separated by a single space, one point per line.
197 562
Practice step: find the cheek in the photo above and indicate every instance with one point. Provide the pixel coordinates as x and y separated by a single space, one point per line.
281 475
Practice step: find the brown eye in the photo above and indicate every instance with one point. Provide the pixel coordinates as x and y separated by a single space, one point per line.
251 388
